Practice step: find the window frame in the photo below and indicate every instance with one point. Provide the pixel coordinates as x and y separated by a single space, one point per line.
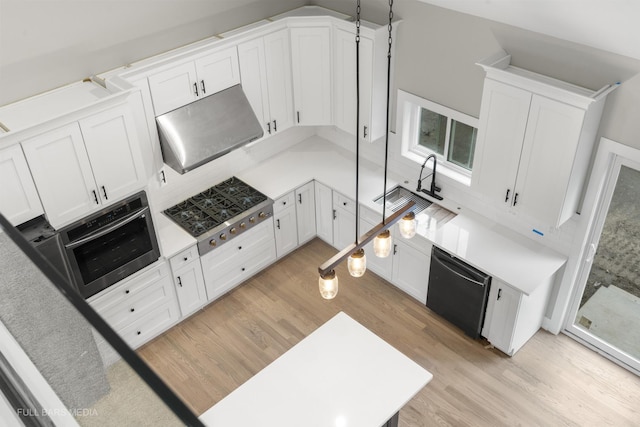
409 108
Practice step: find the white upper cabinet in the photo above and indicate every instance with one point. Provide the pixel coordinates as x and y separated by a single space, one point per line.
188 81
62 172
266 79
344 89
114 153
311 66
83 165
372 75
535 139
19 201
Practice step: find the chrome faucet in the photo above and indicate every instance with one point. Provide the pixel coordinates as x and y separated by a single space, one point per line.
432 191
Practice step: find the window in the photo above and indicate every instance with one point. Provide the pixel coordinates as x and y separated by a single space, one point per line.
429 128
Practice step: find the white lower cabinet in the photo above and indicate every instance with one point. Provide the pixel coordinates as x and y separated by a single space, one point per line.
226 267
324 212
138 308
411 267
188 280
513 317
306 212
286 224
344 221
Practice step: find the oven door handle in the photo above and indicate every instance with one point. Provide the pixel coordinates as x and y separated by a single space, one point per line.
124 221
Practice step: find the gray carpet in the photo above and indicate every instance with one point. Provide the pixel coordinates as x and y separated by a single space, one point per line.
56 338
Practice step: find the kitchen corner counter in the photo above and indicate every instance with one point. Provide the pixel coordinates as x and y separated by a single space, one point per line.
519 262
171 237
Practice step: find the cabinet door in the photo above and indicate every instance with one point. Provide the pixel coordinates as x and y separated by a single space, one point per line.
344 228
503 121
311 70
62 173
278 68
19 201
174 87
502 312
344 90
411 269
217 71
254 79
324 212
114 151
190 287
546 164
306 212
344 221
286 231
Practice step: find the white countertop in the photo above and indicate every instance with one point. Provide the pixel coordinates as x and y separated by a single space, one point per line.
341 375
486 245
520 262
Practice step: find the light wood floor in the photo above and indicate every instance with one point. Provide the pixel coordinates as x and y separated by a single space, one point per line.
552 381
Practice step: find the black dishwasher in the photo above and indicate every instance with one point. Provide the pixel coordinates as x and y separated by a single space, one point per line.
457 292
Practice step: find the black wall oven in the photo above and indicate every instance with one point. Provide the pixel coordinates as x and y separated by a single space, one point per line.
111 244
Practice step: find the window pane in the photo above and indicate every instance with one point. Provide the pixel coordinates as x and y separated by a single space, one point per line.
433 127
462 144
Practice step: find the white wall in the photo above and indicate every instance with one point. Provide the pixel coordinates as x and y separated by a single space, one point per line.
437 48
45 44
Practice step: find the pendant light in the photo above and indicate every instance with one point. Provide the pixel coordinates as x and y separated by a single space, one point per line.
383 242
328 284
357 263
380 234
407 225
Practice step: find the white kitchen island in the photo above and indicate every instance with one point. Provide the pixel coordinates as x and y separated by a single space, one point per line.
341 375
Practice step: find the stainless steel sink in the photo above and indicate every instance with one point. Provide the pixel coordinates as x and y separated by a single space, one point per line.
400 196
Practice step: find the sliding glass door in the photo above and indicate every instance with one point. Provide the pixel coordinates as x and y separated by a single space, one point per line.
606 313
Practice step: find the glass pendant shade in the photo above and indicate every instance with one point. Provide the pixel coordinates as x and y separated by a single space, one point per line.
328 285
357 263
382 244
407 225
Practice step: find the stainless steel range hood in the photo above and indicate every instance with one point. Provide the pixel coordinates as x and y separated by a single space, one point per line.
201 131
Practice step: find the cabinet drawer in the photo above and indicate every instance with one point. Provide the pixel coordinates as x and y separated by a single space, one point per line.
138 305
224 276
370 215
284 202
340 201
151 324
241 244
184 258
128 288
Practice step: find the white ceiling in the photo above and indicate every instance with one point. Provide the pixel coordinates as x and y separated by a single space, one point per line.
611 25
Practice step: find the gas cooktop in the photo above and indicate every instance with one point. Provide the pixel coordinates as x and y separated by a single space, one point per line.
221 212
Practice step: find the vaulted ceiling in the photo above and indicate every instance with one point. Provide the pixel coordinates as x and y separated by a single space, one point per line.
610 25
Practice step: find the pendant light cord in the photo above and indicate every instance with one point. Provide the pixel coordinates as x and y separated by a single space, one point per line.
386 144
357 118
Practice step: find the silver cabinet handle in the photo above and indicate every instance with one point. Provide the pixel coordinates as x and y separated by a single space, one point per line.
95 197
104 191
269 127
195 89
275 126
202 85
365 132
298 115
179 281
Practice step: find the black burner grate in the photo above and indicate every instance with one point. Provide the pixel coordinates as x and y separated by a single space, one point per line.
214 206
